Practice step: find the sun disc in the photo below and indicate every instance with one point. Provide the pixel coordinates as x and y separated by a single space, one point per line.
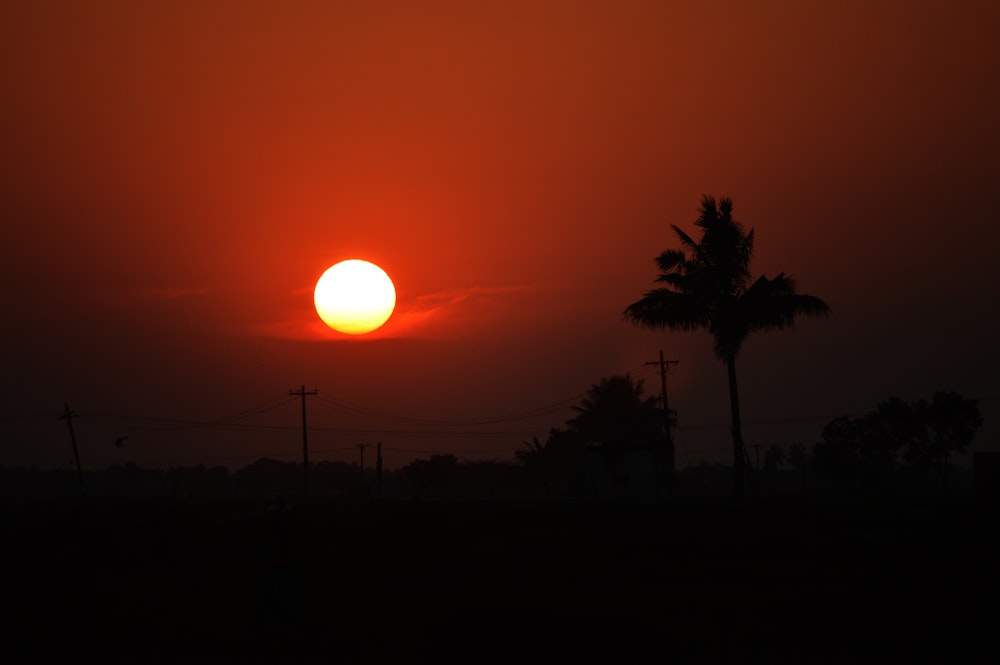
354 297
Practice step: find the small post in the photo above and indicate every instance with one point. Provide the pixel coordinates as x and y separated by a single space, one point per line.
68 417
361 447
378 470
671 462
305 441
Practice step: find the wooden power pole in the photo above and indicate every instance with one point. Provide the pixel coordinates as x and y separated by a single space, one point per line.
361 447
668 438
68 416
378 470
302 392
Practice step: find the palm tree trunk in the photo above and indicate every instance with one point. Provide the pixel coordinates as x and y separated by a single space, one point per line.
737 429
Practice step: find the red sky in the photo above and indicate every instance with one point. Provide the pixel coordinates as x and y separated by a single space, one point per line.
175 176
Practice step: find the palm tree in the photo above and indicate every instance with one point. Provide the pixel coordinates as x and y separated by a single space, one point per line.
707 285
617 415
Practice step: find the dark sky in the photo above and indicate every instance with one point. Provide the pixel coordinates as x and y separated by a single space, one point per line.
174 178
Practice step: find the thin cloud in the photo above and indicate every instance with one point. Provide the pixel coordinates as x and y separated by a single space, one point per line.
296 329
435 315
130 297
454 297
463 304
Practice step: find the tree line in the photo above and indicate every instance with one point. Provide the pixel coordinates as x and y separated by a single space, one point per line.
615 419
923 433
860 452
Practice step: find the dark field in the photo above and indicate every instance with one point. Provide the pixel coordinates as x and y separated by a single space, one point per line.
501 582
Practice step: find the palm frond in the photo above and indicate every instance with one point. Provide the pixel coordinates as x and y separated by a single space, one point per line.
679 281
708 213
687 242
670 260
746 249
666 309
706 284
726 207
773 304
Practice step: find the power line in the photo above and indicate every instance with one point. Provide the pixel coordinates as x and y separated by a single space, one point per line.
27 416
178 424
450 452
284 454
187 423
257 410
758 423
490 420
193 424
288 428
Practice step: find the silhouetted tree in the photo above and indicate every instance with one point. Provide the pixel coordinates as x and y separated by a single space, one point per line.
437 473
887 429
489 478
617 416
707 285
557 464
864 449
798 458
774 457
271 477
533 450
333 477
949 423
201 481
838 454
924 433
533 459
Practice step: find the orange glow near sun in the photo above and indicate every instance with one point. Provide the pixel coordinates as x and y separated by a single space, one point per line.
354 297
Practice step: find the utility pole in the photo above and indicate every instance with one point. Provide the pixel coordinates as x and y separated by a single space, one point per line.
378 470
671 463
361 447
68 416
302 392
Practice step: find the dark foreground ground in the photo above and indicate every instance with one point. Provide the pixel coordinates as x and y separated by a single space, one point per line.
830 581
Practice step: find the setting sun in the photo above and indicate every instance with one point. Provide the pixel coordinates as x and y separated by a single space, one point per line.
354 297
